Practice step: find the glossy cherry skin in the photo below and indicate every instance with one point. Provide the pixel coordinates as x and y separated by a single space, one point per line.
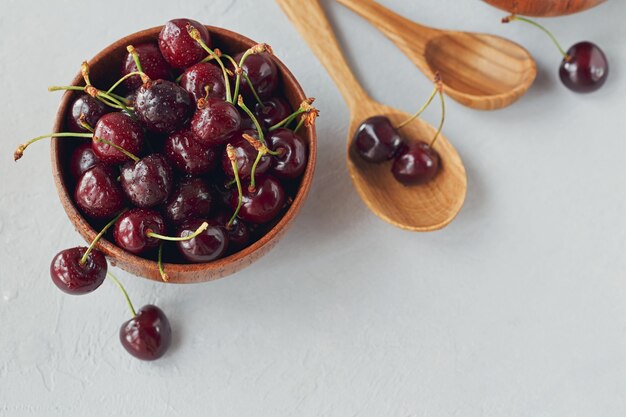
82 159
238 232
92 108
191 200
273 111
263 74
130 230
148 335
586 69
147 182
262 204
187 155
163 106
416 163
152 63
98 194
376 140
214 121
292 159
207 246
245 155
178 48
120 129
196 78
73 278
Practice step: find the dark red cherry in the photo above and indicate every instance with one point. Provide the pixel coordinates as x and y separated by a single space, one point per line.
272 112
238 232
152 63
586 69
263 74
191 200
163 106
207 246
178 48
92 108
215 121
187 154
120 129
292 149
83 158
147 182
148 335
246 155
70 276
98 194
416 163
262 204
376 140
130 230
200 76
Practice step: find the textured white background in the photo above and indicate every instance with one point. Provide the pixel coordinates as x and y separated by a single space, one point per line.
516 309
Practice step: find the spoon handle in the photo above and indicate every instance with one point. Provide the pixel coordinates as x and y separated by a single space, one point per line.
310 20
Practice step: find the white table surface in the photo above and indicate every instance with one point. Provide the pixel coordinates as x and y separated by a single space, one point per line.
516 309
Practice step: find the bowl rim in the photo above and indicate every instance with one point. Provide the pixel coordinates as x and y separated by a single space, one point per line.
114 253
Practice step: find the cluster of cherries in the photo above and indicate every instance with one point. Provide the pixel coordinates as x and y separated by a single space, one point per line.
176 154
584 67
377 140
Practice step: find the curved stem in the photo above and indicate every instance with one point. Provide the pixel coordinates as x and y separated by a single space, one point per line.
254 93
84 70
19 152
121 80
94 242
121 287
421 110
537 25
195 35
259 155
300 123
443 118
200 229
118 147
287 120
164 276
230 151
237 69
84 124
253 117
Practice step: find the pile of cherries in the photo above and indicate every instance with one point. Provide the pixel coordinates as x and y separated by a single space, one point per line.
377 140
190 156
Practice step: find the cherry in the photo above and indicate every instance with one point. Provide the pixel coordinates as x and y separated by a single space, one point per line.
91 109
272 112
120 129
82 159
214 121
376 140
205 247
73 275
187 154
130 230
416 163
191 200
163 106
262 204
585 69
204 80
148 335
98 194
292 153
147 182
238 232
152 64
262 72
178 48
246 154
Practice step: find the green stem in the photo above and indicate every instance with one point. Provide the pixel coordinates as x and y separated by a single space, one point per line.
19 152
94 242
253 117
443 118
287 120
420 111
259 155
121 80
164 276
233 161
121 287
193 32
118 147
546 31
65 87
254 93
300 123
200 229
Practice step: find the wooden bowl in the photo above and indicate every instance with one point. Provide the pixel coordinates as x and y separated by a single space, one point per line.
544 8
104 70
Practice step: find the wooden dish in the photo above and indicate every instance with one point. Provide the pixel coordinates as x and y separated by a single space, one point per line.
104 70
544 8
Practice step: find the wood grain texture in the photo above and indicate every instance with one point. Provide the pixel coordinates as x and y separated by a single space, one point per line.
481 71
544 8
104 69
418 208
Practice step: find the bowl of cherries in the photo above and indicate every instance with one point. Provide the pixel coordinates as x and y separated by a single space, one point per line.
182 153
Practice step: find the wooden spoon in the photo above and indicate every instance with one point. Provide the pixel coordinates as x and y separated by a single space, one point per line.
484 72
418 208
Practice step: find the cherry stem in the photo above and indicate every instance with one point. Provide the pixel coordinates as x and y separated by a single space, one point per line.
131 50
195 35
110 99
83 123
230 151
421 110
19 152
287 120
252 186
443 118
254 119
94 242
305 107
125 77
254 93
121 287
200 229
118 147
300 123
537 25
164 275
84 70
